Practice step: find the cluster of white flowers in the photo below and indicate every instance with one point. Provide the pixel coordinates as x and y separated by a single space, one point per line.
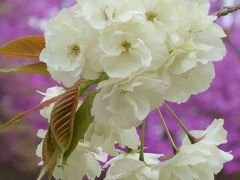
83 161
151 51
201 160
198 161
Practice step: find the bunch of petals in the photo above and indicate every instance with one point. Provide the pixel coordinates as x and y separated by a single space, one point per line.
83 161
105 134
151 50
108 134
201 160
128 166
127 101
50 93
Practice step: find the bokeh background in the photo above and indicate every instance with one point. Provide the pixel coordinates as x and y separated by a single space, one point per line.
18 93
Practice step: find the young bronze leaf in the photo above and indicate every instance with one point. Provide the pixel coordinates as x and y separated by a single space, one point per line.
37 68
28 47
62 117
83 119
20 116
51 154
7 70
49 146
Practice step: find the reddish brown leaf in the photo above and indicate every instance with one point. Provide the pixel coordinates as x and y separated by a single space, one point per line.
62 118
51 154
48 146
60 132
83 119
20 116
37 68
28 47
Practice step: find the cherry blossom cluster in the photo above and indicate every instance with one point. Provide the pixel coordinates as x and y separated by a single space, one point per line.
151 51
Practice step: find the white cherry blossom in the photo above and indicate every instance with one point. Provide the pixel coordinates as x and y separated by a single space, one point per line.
129 101
201 160
192 82
107 134
68 39
128 166
131 46
101 13
84 161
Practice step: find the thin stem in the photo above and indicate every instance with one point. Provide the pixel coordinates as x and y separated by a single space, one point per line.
227 10
88 84
141 156
88 93
174 147
190 137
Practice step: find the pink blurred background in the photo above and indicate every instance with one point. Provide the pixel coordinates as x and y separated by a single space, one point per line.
18 93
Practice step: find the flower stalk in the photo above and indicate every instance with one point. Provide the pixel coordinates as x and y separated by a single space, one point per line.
141 156
189 135
227 10
173 145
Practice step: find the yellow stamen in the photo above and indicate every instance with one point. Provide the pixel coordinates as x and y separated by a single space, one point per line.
74 50
126 46
152 16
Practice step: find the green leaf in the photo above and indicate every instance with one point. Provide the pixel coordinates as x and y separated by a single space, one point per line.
28 47
83 119
37 68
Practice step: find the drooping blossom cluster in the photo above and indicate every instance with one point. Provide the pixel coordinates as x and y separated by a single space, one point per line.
193 161
200 160
150 51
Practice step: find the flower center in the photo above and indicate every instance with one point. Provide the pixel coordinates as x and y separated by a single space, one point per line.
74 50
152 16
126 46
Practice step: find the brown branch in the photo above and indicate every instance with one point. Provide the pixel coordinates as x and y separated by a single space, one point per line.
226 10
